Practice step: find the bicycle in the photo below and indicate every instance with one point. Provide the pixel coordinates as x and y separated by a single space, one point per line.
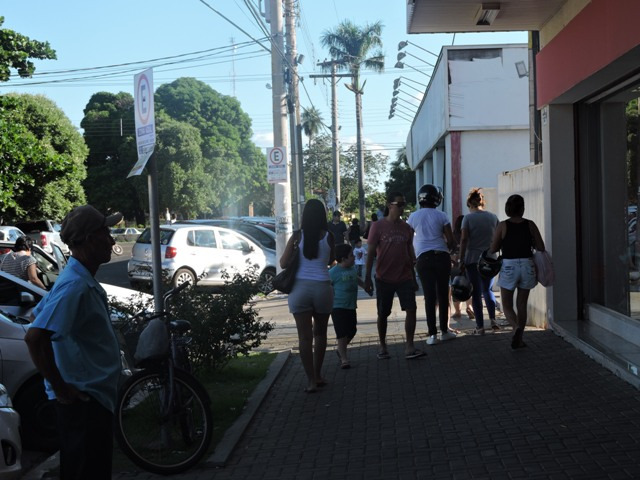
163 419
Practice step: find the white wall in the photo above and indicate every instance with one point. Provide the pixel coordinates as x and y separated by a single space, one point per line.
430 123
487 93
488 153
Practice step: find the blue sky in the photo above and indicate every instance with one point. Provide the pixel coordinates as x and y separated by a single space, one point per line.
94 34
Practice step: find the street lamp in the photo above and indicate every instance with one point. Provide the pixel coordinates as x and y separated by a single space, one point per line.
395 99
402 65
404 43
401 55
398 114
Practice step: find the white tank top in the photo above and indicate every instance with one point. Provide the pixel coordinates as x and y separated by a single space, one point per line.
316 269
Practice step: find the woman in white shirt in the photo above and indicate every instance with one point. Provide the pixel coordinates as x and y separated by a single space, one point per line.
311 299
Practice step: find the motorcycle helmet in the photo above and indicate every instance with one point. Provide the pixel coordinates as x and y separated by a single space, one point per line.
429 196
461 288
489 264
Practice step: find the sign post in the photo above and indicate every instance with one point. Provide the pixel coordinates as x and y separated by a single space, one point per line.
146 141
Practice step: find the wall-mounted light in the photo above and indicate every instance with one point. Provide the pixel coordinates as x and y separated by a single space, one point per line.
487 13
402 65
404 43
401 55
522 70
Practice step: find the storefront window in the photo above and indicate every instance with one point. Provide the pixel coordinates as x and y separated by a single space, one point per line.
633 196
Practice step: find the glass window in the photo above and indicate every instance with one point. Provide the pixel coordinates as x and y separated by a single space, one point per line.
165 236
232 242
205 238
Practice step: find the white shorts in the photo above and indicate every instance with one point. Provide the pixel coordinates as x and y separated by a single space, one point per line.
311 296
517 273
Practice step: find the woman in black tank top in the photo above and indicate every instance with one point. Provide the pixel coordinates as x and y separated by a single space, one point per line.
516 237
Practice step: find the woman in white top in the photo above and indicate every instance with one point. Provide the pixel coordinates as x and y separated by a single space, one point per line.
311 299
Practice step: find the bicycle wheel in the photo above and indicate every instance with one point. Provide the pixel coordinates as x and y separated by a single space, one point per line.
160 432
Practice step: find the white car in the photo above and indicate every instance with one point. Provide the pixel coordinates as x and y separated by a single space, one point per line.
198 254
10 465
9 234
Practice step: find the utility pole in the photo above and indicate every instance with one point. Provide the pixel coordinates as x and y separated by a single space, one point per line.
335 144
282 190
293 104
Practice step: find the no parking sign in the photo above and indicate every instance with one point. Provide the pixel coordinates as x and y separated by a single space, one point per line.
277 171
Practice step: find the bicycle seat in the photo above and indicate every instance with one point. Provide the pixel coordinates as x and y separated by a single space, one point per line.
179 326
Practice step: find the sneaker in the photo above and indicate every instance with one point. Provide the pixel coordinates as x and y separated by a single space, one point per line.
447 336
433 340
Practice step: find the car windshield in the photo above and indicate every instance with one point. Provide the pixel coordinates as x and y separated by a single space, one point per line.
117 231
165 236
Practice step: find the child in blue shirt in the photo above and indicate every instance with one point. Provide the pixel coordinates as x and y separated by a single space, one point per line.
345 281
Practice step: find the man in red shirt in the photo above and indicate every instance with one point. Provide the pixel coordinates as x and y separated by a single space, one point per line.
390 241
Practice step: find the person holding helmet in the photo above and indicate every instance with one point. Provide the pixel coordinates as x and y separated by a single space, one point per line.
516 236
432 243
477 232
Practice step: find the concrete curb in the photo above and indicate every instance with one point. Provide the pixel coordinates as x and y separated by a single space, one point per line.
233 434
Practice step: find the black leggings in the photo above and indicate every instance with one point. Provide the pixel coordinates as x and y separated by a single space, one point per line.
434 270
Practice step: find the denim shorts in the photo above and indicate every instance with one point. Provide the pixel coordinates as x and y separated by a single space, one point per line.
517 273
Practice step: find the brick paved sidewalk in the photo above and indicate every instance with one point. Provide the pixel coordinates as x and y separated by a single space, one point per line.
472 408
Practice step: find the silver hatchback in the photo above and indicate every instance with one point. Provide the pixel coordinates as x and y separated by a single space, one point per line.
198 254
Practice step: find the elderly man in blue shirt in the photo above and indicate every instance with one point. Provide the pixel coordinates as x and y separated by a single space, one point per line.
73 345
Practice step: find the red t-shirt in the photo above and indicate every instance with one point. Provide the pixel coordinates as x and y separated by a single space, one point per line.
394 262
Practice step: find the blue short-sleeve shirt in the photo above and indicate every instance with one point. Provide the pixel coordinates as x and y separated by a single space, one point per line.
84 344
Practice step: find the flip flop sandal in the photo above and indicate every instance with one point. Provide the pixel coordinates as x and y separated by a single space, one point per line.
415 354
345 364
384 356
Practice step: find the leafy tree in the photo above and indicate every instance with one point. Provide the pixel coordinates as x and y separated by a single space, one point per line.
318 176
42 159
236 165
16 50
352 47
401 177
205 157
109 132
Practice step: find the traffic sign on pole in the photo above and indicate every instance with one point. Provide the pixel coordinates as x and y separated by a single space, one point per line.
145 122
277 167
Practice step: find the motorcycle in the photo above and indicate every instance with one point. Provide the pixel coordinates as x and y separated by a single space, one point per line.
116 249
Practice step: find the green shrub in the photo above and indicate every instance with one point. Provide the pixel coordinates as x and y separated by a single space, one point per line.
223 325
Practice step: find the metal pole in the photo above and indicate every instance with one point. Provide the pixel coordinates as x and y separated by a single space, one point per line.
154 219
335 143
282 198
293 102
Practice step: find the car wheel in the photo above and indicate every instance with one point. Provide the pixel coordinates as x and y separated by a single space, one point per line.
265 283
183 275
37 416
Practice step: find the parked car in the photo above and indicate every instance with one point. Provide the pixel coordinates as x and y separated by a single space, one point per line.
44 233
259 234
9 234
10 465
128 234
199 254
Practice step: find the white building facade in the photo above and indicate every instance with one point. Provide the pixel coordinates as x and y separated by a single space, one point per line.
473 122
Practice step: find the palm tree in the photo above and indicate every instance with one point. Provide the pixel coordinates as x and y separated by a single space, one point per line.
311 122
351 48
